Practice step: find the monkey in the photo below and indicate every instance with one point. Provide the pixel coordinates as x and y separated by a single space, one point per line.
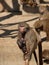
29 2
32 3
21 34
43 25
27 41
44 13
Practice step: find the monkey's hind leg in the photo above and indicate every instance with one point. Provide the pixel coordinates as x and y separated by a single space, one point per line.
35 57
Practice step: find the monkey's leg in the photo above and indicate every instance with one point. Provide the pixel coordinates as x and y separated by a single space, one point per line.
35 57
26 62
40 53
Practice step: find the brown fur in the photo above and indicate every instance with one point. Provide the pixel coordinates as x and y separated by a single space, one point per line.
46 54
29 2
44 21
30 39
45 24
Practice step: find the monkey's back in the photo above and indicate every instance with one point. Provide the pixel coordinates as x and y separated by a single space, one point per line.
45 24
46 27
31 40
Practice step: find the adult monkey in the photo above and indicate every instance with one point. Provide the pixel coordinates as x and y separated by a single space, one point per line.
43 25
27 41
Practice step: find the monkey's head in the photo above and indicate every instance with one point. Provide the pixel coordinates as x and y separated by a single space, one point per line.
28 2
23 27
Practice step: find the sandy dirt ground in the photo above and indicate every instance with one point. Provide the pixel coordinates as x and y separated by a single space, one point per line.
10 54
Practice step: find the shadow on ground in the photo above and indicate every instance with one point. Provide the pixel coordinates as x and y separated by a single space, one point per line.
30 9
16 6
8 33
46 61
10 15
33 10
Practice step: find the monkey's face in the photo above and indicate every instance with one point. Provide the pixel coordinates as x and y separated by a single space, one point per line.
22 29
